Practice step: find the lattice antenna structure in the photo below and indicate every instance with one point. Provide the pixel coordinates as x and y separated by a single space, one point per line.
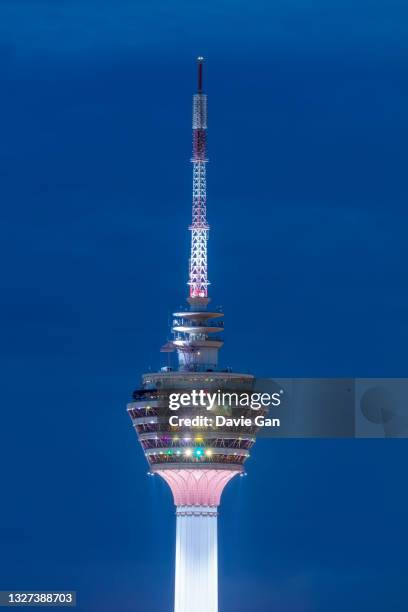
198 278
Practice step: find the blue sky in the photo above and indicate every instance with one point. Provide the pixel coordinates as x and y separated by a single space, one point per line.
307 206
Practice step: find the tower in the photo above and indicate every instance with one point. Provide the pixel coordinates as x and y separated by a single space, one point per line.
196 460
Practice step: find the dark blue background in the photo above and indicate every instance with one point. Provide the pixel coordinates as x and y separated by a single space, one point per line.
308 255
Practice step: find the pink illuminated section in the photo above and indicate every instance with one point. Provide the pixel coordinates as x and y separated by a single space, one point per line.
197 487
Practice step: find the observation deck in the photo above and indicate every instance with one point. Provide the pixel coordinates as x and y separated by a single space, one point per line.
191 447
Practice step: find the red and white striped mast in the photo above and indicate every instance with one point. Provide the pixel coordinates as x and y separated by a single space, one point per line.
198 279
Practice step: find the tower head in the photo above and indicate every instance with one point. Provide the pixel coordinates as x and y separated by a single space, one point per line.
180 428
191 449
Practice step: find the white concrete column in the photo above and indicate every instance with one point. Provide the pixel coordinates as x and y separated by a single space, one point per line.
196 588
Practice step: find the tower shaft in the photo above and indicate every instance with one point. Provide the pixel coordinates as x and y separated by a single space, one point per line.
196 577
197 495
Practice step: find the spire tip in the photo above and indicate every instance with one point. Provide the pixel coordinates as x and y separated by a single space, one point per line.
200 60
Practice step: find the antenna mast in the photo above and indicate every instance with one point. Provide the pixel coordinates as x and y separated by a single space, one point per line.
198 280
